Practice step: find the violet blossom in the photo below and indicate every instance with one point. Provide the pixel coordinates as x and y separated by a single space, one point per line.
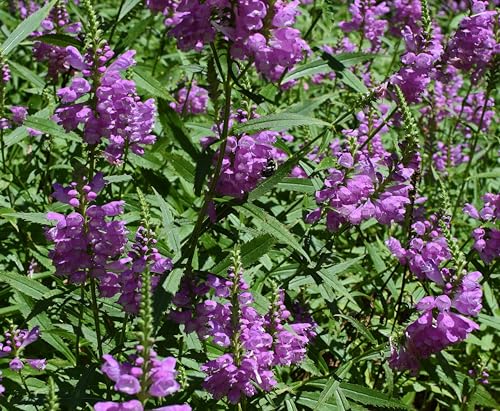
86 242
118 114
15 341
191 100
486 238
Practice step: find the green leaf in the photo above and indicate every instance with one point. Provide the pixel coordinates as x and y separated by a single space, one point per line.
251 251
149 84
24 29
309 69
184 167
482 397
27 74
272 226
127 7
37 218
62 40
331 386
341 400
47 330
367 396
25 285
341 267
338 287
173 280
168 224
174 128
50 127
281 121
118 178
489 321
16 136
302 185
320 66
349 79
359 326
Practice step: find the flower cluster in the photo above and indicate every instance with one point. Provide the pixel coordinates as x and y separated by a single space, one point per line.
248 158
15 342
473 45
58 22
443 319
486 239
129 375
126 278
449 156
23 7
112 109
191 100
254 343
405 13
257 30
5 73
86 242
366 17
367 181
418 62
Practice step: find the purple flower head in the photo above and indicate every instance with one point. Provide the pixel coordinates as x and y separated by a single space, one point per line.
473 45
257 31
127 376
253 345
142 256
366 17
19 114
486 238
132 405
248 159
56 57
191 100
467 298
418 62
5 73
117 114
85 244
370 184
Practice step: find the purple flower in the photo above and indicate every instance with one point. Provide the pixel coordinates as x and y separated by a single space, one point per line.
85 244
434 330
418 62
15 342
16 364
118 114
19 114
473 45
486 239
468 296
5 73
191 100
132 405
253 345
127 377
127 279
246 159
272 43
366 17
370 184
58 22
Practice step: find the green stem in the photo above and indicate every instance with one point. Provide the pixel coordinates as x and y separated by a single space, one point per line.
115 23
222 149
95 310
80 319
